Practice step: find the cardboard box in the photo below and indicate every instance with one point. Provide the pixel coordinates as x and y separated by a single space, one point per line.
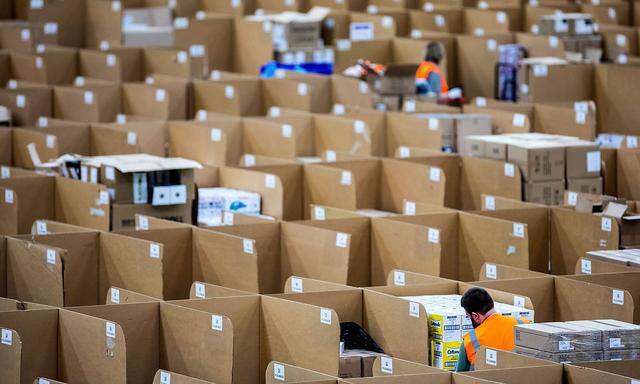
566 24
538 161
628 224
357 363
292 30
544 192
123 215
557 337
399 79
626 257
626 354
213 201
561 357
591 185
468 125
148 27
616 335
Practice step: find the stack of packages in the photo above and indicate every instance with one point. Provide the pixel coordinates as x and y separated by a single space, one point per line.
626 257
579 341
448 323
212 202
455 128
577 32
548 163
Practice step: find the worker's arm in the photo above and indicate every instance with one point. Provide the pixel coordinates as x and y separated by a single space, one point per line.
434 83
463 362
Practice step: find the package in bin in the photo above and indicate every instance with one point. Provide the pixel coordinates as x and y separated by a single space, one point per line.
212 201
558 337
444 355
615 334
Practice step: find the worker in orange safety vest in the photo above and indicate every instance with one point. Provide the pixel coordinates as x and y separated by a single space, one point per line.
429 77
490 329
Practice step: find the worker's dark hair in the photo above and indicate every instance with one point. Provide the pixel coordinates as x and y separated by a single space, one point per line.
434 53
476 300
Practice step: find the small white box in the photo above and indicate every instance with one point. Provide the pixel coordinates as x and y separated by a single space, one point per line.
212 201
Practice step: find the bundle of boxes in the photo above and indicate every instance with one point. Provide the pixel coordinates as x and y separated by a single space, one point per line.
576 30
456 128
579 341
449 323
548 163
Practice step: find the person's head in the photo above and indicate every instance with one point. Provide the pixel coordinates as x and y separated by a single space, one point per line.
434 53
478 304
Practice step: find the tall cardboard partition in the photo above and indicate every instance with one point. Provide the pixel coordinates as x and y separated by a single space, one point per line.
477 57
10 356
406 130
277 372
563 119
351 92
97 64
451 245
344 134
295 284
304 329
284 137
148 137
253 45
376 130
171 62
117 295
489 358
629 368
451 165
486 176
348 52
304 92
96 101
200 290
229 93
199 31
27 102
402 278
615 88
505 117
628 166
372 184
336 251
30 147
71 136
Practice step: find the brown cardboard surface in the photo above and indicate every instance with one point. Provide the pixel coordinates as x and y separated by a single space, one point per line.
37 194
401 367
117 295
572 302
484 176
296 284
407 130
505 359
277 372
176 378
627 161
212 290
613 91
10 357
541 291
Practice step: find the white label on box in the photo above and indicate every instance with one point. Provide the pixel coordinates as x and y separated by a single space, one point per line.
519 301
572 198
227 218
25 34
606 224
215 75
250 161
585 266
41 227
483 4
342 240
511 250
519 120
181 23
490 203
593 161
491 357
330 156
5 172
216 134
79 81
338 109
21 100
410 105
50 28
229 92
434 174
318 213
270 181
115 295
615 342
581 118
110 329
303 89
196 50
481 102
121 119
286 130
154 250
165 377
216 322
266 26
51 256
278 371
8 196
274 112
364 87
509 170
564 345
235 3
404 152
433 124
439 20
132 138
103 198
414 309
491 271
325 316
110 173
345 178
343 45
51 141
632 141
43 381
40 48
7 336
200 290
116 6
372 9
104 45
581 106
611 12
480 32
296 285
247 246
492 45
409 208
111 60
359 127
518 230
88 97
161 95
386 364
36 4
399 278
621 40
540 70
434 235
12 84
428 7
182 57
524 89
554 42
387 22
501 17
143 223
617 297
43 122
361 31
622 58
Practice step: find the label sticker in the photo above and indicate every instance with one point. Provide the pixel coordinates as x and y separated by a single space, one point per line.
554 42
338 109
197 50
386 364
518 230
621 40
325 316
359 127
165 377
617 297
116 6
593 161
250 161
564 345
491 357
364 87
200 290
434 235
110 329
43 381
41 227
247 246
39 62
585 266
36 4
342 240
409 208
410 105
227 218
581 106
540 70
345 178
25 34
88 97
303 88
51 256
439 20
111 60
278 371
270 181
606 224
115 295
7 336
501 17
216 134
433 124
581 118
519 120
519 301
491 271
21 101
404 152
399 278
434 174
414 309
330 156
632 141
132 138
296 285
161 95
615 342
319 213
216 322
229 91
5 172
8 196
110 173
428 7
572 198
481 102
286 130
509 170
154 250
492 45
181 23
490 203
143 223
103 197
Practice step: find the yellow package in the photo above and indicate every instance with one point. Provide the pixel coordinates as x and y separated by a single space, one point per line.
444 355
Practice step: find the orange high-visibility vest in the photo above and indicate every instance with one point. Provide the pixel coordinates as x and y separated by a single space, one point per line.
425 69
496 332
